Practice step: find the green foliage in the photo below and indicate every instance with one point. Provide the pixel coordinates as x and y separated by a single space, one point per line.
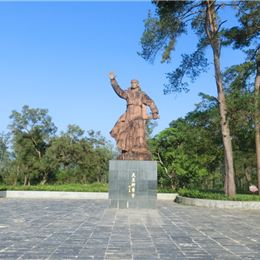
80 159
189 151
191 66
5 162
40 156
31 130
170 22
239 89
216 196
166 190
248 13
149 127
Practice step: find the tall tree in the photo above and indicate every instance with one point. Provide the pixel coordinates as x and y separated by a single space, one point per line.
31 129
247 35
4 156
237 81
162 31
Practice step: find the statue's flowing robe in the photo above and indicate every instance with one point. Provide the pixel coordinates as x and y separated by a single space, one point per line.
130 134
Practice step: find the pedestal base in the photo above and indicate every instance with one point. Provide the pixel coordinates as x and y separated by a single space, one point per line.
133 184
135 156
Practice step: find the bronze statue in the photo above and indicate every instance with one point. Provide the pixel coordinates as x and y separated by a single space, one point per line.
129 130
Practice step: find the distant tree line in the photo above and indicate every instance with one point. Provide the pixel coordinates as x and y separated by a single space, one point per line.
38 155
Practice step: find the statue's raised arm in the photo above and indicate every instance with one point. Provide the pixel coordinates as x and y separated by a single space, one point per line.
121 93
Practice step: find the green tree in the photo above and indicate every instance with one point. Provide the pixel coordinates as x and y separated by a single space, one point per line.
243 36
31 130
150 124
103 151
67 153
189 150
78 158
5 162
162 31
239 91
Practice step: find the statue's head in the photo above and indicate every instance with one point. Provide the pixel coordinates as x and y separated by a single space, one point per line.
135 84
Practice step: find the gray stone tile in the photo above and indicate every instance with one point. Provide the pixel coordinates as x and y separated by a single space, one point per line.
122 204
132 204
152 185
88 229
113 203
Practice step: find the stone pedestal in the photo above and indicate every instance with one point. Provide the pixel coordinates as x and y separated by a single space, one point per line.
133 184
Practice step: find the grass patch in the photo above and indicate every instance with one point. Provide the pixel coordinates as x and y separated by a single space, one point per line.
216 195
166 190
94 187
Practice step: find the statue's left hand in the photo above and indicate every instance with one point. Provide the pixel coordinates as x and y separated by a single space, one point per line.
155 115
111 75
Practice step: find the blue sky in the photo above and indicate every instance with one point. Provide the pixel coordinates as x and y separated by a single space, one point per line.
58 55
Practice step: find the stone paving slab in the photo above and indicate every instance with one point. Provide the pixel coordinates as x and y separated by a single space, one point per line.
88 229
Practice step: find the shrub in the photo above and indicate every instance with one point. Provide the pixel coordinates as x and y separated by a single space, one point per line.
216 195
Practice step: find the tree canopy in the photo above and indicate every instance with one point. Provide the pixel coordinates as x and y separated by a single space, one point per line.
170 22
39 155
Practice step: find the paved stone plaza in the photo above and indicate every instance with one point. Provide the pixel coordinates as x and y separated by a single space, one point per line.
88 229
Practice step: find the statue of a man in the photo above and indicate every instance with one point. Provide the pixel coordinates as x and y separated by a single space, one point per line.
129 131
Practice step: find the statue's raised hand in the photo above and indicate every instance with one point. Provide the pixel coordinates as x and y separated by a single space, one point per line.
111 75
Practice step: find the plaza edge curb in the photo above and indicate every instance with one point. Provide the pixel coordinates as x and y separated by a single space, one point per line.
53 195
104 196
69 195
223 204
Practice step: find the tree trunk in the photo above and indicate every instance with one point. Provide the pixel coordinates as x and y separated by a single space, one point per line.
98 175
247 176
16 177
45 178
211 20
225 129
25 180
225 175
235 176
172 184
257 132
43 181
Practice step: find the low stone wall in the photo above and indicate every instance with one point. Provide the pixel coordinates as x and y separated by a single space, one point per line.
167 196
69 195
55 195
223 204
104 196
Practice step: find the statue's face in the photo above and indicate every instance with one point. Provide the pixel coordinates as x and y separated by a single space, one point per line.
134 84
